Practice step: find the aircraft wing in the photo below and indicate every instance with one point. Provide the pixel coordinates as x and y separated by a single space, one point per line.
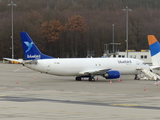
94 71
155 67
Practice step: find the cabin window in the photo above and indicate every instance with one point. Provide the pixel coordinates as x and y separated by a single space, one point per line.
56 63
97 64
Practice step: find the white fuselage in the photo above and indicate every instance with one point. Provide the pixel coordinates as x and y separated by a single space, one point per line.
76 66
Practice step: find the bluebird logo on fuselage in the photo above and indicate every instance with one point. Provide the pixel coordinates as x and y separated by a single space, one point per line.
29 45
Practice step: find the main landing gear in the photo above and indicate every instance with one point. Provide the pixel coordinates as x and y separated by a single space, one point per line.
136 77
79 78
91 79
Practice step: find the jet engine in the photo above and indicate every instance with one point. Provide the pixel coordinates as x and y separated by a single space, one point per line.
112 74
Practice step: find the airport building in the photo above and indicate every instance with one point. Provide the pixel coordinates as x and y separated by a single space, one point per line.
142 55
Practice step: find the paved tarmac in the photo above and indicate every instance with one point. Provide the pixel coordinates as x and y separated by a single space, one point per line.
29 95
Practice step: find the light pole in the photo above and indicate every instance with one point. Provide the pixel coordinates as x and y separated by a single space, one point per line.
126 10
12 4
115 44
113 38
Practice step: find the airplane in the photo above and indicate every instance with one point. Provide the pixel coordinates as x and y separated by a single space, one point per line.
154 47
109 68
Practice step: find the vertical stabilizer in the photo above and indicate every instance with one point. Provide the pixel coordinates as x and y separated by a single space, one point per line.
30 50
154 50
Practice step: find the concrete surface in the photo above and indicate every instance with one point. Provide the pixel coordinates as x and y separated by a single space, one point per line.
30 95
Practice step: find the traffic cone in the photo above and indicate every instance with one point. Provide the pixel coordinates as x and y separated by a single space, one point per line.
17 82
156 83
110 81
97 78
144 89
119 80
35 77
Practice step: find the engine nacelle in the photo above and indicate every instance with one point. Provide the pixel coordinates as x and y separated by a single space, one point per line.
112 74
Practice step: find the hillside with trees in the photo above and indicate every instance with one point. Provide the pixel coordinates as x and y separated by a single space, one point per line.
70 28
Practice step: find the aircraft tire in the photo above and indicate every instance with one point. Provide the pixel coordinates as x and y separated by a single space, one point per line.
78 79
91 79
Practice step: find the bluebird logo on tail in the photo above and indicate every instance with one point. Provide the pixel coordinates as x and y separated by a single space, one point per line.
29 45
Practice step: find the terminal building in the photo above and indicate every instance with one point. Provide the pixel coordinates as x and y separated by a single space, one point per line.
142 55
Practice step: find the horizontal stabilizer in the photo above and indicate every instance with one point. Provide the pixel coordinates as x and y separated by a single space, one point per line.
22 61
15 60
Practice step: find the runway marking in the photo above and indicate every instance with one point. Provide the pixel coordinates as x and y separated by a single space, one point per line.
139 95
19 69
123 105
27 99
2 95
121 94
78 112
35 73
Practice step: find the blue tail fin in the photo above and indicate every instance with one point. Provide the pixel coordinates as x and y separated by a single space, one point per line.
30 50
154 50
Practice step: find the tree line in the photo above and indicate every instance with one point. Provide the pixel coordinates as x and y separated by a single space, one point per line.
71 28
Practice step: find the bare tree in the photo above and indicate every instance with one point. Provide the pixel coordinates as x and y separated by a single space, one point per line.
51 31
76 27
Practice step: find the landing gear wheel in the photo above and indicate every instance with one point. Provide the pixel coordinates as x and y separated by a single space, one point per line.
136 77
91 79
78 79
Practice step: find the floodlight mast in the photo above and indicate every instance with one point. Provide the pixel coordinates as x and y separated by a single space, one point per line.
126 10
12 4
